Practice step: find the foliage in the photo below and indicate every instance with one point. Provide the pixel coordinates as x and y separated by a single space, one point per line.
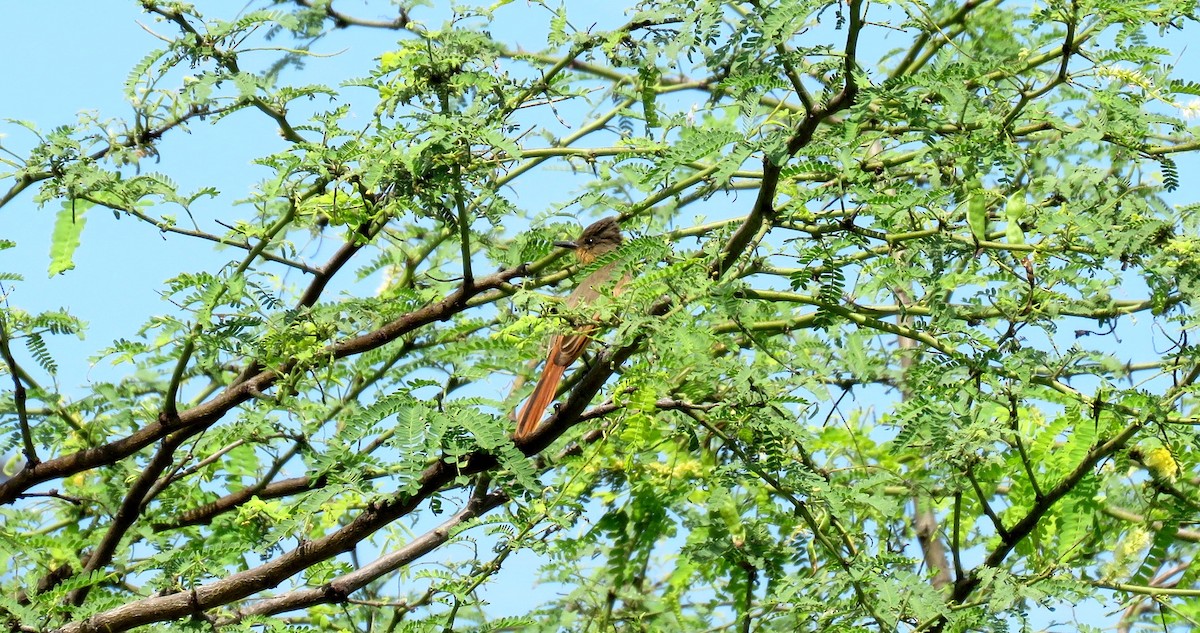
870 371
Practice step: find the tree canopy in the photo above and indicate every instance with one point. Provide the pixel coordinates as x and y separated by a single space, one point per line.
906 341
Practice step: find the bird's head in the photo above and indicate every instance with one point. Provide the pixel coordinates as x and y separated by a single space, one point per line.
596 240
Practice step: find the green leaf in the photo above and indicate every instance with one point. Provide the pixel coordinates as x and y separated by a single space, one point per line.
1157 554
247 84
67 227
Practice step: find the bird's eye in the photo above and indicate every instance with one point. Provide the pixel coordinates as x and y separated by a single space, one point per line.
589 241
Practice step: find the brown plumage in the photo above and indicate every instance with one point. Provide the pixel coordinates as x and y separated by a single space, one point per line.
596 240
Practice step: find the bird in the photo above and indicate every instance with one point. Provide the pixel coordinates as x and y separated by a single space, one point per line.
600 238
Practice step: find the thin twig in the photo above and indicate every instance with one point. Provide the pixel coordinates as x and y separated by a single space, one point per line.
19 395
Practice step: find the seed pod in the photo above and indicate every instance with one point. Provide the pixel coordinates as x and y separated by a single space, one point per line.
1014 210
977 215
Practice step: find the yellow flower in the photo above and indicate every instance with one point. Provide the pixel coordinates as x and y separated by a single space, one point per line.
1161 464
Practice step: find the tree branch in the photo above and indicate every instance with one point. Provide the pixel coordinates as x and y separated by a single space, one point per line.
131 507
340 588
205 414
14 371
342 20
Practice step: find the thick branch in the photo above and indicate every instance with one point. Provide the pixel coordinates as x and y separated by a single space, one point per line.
131 507
205 414
340 588
764 205
1023 528
376 516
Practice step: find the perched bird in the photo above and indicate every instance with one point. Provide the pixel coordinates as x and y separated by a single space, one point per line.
596 240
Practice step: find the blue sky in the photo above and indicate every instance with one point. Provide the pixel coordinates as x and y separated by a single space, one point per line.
63 57
63 60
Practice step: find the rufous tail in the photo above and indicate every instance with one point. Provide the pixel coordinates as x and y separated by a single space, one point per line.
543 394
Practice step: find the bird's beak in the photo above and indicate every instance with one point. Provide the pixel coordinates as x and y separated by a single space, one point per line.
570 245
